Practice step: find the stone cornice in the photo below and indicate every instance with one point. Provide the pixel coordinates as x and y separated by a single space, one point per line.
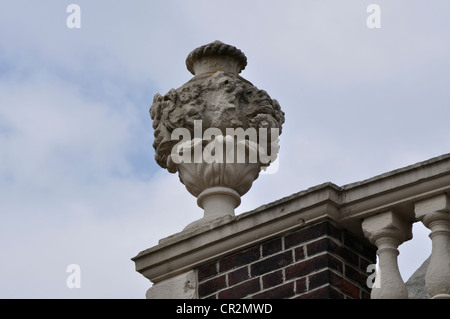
347 205
399 188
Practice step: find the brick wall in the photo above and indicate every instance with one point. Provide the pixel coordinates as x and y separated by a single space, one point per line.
315 261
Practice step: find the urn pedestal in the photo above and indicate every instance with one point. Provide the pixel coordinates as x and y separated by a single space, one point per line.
219 182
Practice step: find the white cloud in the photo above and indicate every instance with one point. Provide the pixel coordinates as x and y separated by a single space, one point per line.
50 126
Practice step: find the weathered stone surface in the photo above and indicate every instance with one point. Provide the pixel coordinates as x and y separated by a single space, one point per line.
387 224
217 96
217 130
416 283
222 56
197 177
183 286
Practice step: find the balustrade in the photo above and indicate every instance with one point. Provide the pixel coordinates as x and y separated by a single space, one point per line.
434 214
387 231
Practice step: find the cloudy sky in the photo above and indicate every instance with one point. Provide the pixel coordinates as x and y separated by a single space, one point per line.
78 180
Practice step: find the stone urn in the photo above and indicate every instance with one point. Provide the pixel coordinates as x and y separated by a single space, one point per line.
218 131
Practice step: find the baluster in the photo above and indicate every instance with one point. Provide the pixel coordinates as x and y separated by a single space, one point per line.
434 214
387 231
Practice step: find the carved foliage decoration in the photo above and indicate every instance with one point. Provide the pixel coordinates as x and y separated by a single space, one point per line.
221 100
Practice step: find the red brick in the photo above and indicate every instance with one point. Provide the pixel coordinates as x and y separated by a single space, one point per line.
315 258
206 271
272 279
211 286
310 265
336 281
241 291
312 232
298 237
364 263
271 263
271 247
326 244
319 279
299 253
346 254
300 285
355 275
333 231
360 245
239 259
238 275
344 286
319 246
280 292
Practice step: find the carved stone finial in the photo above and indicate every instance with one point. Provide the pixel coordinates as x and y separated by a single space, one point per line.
216 56
209 129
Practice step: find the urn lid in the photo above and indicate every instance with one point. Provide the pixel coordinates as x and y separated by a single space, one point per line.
214 56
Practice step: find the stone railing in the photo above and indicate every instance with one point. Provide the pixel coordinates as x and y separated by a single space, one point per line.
389 229
418 193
